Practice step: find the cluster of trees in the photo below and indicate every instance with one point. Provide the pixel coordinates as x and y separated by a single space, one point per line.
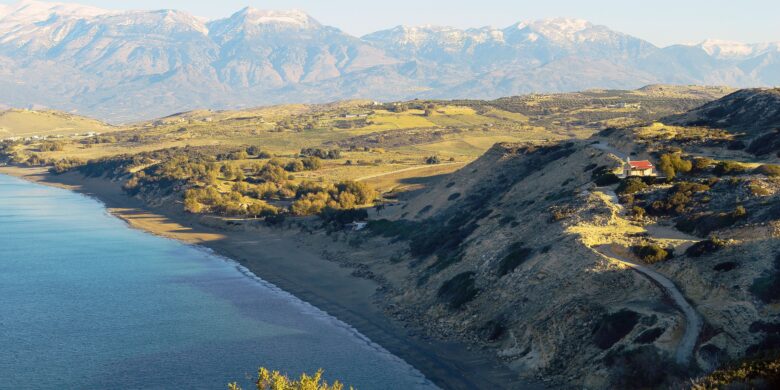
672 164
233 203
313 198
324 154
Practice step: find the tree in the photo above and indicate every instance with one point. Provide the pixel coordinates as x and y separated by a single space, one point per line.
672 164
191 204
312 163
294 166
432 160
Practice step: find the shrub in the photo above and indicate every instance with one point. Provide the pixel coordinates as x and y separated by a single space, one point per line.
631 185
705 224
767 288
432 160
49 146
702 248
340 218
459 290
701 164
725 266
607 179
641 368
294 166
311 163
638 212
613 327
518 254
729 168
651 253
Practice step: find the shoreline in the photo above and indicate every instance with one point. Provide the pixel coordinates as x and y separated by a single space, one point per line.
325 284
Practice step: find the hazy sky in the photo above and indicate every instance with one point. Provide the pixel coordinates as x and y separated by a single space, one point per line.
662 22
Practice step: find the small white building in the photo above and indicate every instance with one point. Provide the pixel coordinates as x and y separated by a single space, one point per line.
640 168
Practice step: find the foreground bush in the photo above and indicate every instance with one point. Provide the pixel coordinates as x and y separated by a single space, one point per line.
267 380
761 373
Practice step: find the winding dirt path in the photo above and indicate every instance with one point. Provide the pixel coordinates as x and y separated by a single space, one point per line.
693 321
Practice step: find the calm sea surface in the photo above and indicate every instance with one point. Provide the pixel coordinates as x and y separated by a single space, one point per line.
88 303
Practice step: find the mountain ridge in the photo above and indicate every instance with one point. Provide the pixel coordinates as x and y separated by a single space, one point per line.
131 65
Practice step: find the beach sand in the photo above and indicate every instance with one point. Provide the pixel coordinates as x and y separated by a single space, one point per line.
277 256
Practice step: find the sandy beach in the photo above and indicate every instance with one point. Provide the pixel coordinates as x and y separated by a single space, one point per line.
277 256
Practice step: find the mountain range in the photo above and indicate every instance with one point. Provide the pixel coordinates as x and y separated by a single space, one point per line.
129 65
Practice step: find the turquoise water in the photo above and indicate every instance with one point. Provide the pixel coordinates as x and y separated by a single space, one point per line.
89 303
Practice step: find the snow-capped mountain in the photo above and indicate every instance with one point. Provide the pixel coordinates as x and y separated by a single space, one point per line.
124 65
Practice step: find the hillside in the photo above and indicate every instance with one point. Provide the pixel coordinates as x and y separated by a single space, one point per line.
124 66
27 123
492 239
503 224
381 142
752 115
751 111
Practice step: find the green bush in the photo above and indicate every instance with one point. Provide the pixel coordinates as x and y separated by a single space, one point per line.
651 253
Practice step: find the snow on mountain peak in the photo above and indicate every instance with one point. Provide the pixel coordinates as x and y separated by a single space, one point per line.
736 50
559 29
31 11
294 17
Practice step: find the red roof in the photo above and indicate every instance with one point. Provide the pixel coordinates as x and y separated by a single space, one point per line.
641 164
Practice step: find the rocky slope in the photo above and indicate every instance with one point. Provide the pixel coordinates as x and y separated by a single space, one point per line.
752 115
529 252
140 64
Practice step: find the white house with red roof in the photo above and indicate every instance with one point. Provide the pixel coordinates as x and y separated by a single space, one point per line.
639 168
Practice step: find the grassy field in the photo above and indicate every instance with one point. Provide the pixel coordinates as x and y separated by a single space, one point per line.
388 144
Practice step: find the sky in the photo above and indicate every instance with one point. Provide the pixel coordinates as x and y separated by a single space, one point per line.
662 22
